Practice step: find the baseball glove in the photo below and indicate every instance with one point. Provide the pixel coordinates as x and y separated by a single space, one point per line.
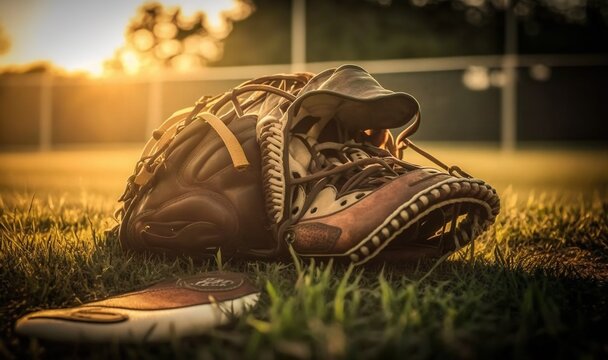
323 176
197 186
334 189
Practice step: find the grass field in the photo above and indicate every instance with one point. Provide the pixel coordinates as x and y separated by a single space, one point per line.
536 286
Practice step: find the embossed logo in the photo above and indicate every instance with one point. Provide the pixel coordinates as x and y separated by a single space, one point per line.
212 282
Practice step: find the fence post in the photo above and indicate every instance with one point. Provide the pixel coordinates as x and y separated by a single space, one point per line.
155 105
298 35
46 112
508 95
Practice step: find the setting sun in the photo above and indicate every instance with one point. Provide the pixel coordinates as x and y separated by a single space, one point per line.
79 35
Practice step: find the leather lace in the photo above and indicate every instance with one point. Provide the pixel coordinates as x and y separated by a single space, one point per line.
380 167
402 142
207 109
351 175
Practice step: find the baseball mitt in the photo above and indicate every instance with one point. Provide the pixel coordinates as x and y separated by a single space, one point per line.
197 186
305 162
334 188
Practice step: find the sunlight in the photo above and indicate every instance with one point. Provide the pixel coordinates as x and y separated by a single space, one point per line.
130 61
163 36
95 70
215 10
65 33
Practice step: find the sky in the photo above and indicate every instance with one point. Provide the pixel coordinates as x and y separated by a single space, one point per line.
77 34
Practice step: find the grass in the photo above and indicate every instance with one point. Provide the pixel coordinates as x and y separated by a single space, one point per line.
535 287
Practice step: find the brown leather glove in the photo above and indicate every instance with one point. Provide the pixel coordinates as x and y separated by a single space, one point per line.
334 189
198 186
302 161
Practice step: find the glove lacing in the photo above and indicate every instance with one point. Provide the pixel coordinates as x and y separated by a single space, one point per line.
208 109
332 165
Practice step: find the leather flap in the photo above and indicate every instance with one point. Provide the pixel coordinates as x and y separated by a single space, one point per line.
355 99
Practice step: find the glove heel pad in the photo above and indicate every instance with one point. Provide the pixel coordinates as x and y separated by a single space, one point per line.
194 223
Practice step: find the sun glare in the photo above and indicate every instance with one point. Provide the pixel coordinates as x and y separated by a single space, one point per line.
95 70
130 61
79 36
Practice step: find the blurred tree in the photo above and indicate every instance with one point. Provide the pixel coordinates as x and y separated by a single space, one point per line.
475 11
262 38
545 26
5 43
160 37
369 30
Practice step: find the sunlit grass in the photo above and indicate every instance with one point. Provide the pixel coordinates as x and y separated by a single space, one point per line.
535 287
104 170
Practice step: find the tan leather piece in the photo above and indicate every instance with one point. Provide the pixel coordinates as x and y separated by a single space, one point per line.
162 312
176 293
237 154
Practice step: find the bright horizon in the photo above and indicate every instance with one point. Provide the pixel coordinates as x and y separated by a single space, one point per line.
78 35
